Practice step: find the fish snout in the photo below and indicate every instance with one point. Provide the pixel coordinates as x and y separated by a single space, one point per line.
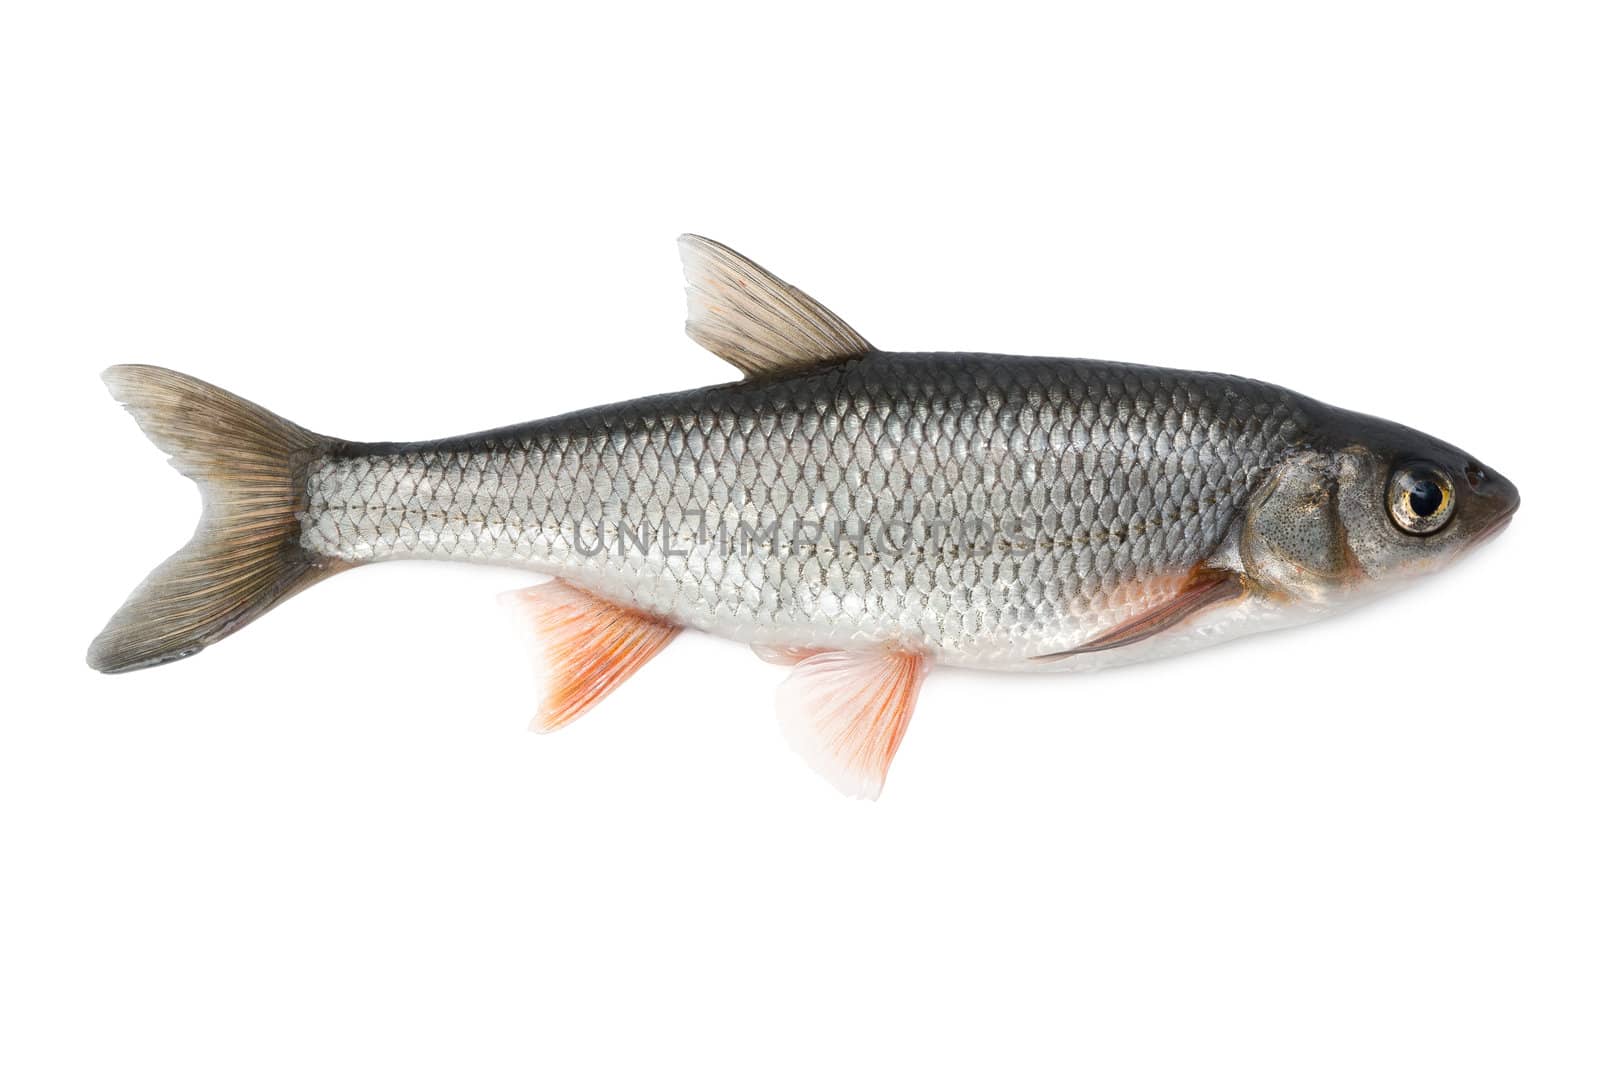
1491 499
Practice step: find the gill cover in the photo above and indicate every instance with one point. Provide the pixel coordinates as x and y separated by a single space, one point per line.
1293 538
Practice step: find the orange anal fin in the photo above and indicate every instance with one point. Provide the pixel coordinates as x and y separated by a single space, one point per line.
846 713
1205 587
587 646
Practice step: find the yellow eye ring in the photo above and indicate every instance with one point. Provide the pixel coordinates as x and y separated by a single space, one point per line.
1421 498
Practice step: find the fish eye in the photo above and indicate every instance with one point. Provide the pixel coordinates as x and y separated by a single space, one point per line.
1421 498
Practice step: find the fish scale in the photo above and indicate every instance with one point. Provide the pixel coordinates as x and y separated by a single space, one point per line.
1087 485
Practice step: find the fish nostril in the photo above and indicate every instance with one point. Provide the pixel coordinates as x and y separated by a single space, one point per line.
1475 475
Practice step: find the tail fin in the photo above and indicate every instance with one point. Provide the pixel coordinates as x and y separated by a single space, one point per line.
245 555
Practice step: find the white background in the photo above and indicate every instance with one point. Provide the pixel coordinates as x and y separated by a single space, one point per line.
329 840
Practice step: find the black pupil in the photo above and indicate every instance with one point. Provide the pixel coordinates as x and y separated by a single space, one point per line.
1426 498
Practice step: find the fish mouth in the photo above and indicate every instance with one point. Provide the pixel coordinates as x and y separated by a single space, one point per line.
1494 497
1499 523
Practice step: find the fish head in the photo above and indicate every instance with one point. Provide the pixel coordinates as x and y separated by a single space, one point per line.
1369 506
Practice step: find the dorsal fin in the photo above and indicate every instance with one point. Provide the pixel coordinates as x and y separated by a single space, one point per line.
754 319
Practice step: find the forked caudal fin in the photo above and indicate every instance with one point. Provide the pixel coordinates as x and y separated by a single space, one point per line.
245 556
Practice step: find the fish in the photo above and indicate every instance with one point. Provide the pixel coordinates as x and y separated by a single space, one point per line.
861 516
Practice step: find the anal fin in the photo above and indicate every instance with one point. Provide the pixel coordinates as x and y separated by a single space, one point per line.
588 646
846 713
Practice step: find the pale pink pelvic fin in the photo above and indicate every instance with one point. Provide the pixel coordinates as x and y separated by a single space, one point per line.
587 646
783 655
846 712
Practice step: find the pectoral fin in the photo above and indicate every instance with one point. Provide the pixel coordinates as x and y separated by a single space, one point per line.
1205 587
586 646
846 713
